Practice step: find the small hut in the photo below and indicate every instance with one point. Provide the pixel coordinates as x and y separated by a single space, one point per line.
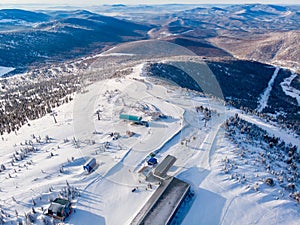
60 209
152 161
90 166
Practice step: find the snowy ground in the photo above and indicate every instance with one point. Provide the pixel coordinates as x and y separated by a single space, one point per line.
5 70
263 102
289 90
62 148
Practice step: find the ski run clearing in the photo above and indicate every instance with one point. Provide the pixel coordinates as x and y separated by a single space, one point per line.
105 195
289 90
5 70
263 102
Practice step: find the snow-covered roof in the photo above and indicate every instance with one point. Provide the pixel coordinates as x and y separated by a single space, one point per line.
164 166
55 207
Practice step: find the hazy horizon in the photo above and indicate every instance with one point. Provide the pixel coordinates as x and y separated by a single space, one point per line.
148 2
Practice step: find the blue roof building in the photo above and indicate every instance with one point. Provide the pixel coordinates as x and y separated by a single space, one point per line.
152 161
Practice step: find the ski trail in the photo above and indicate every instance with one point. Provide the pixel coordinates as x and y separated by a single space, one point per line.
289 90
263 102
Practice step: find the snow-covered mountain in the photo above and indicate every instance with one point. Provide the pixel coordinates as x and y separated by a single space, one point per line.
34 38
190 127
233 160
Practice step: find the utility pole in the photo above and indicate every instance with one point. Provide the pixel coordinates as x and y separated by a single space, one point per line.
54 114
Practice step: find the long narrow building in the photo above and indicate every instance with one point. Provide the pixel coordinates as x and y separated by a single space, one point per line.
166 200
164 203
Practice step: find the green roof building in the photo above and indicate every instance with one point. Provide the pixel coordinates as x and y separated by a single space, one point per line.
130 117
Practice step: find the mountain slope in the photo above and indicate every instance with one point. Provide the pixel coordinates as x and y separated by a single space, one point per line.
275 47
227 160
63 35
27 16
198 46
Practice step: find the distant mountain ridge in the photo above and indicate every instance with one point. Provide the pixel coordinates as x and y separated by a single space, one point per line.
28 38
245 18
19 14
265 33
238 43
278 47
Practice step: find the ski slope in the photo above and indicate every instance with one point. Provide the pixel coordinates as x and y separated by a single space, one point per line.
5 70
106 195
289 90
263 102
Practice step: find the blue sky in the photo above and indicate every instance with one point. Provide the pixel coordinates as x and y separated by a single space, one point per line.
97 2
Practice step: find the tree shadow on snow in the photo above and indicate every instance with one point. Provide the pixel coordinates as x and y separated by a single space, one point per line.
82 217
76 162
88 198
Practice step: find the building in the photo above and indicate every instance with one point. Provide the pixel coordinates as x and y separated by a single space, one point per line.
60 209
152 161
90 165
161 170
130 117
164 204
